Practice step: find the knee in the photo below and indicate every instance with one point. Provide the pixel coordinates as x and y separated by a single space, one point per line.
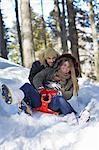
60 99
25 86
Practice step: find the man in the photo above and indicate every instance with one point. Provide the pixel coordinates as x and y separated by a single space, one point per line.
46 59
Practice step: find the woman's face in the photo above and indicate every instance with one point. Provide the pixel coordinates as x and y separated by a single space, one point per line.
50 60
65 67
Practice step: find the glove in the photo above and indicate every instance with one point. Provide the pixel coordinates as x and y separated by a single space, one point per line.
54 85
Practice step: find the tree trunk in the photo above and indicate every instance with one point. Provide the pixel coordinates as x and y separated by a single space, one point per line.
43 26
27 35
57 14
18 30
3 50
63 30
61 27
95 39
73 36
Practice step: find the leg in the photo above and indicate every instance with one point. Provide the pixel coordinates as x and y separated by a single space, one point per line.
59 103
32 96
16 96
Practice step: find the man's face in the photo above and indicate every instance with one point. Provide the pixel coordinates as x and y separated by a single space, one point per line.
50 60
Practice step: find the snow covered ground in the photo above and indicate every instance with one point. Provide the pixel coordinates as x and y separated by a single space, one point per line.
44 131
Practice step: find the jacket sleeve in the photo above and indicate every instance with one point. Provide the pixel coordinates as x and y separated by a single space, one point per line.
36 67
68 91
40 78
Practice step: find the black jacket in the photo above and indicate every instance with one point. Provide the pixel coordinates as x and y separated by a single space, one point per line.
36 67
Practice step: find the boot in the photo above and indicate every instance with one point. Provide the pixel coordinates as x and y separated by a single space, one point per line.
11 96
24 107
6 94
84 117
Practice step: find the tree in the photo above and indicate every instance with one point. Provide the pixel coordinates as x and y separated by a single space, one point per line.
57 21
73 36
94 36
61 25
27 35
3 50
19 31
64 33
38 33
43 26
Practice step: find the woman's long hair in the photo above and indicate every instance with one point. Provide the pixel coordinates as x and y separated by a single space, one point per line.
74 78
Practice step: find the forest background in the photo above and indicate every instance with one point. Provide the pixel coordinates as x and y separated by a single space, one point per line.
69 26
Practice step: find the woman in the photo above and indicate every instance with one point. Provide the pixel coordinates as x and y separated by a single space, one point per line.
46 59
63 73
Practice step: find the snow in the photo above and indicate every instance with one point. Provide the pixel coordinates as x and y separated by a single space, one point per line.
45 131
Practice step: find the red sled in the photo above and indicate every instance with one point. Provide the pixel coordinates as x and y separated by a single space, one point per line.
46 97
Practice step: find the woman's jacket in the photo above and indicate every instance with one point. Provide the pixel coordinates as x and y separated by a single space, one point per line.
46 75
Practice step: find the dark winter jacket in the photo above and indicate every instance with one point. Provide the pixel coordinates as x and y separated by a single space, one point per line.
36 67
47 75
